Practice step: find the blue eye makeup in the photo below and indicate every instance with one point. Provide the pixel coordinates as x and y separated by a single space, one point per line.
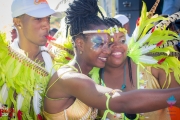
97 41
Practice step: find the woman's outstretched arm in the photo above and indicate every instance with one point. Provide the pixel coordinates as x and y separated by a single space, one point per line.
82 87
138 101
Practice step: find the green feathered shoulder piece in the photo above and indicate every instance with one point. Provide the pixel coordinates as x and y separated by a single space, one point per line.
22 85
62 48
63 52
149 44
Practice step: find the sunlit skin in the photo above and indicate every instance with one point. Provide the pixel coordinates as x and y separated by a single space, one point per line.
114 68
35 30
92 55
127 27
72 85
99 44
118 50
95 56
32 33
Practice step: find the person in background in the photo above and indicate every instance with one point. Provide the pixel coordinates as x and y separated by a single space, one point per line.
28 63
13 34
32 26
175 26
170 7
124 20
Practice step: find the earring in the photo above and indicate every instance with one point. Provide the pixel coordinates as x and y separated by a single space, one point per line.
19 27
80 52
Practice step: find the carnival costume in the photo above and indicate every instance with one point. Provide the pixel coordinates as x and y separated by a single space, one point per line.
77 111
22 83
61 48
150 46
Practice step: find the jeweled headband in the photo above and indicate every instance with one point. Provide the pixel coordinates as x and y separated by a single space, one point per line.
110 31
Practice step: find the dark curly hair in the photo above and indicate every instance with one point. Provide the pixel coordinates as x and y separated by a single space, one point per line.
81 14
111 22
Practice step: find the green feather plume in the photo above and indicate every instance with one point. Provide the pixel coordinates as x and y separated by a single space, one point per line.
148 36
18 72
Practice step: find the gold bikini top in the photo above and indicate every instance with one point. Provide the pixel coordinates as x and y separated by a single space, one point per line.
77 111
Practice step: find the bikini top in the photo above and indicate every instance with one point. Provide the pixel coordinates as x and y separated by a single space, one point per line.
77 111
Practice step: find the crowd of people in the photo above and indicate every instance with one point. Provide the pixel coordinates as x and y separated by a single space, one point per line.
111 76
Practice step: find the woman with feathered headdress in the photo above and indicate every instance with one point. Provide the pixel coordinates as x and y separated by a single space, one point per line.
149 54
71 93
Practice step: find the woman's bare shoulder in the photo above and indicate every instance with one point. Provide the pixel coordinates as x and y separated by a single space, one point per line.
69 79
